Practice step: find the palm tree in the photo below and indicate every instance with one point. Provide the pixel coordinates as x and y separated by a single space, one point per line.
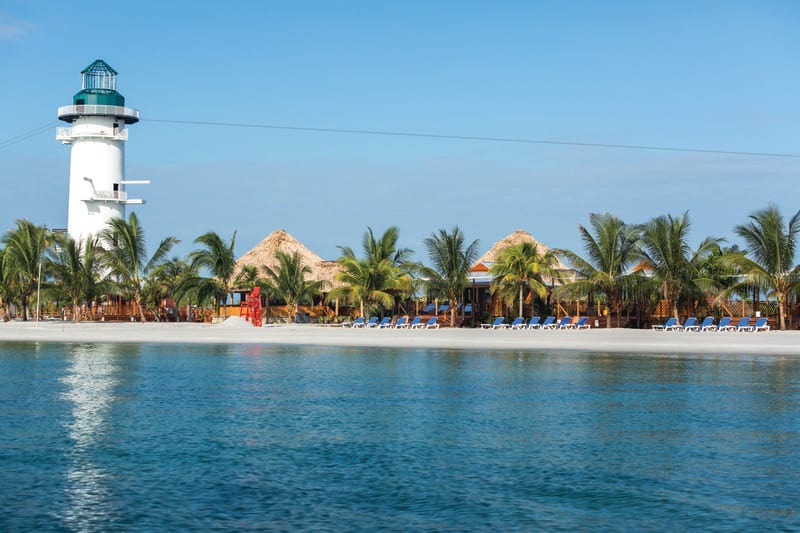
125 255
4 292
362 281
24 250
610 251
288 281
451 262
247 277
76 271
521 267
384 274
665 251
168 280
771 243
219 259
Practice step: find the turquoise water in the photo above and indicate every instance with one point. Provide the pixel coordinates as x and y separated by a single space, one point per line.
185 437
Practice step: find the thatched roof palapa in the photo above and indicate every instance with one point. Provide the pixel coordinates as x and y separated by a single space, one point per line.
263 254
518 237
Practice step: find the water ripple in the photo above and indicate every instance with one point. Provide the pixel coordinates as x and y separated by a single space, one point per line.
199 438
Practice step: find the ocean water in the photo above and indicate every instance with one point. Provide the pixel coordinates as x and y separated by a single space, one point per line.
151 437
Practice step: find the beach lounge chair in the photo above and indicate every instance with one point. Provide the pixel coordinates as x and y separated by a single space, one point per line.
401 323
518 323
707 324
725 324
432 323
498 323
359 323
430 308
468 309
548 322
373 322
744 324
669 325
690 325
386 322
533 323
565 323
419 324
414 323
761 324
444 308
582 323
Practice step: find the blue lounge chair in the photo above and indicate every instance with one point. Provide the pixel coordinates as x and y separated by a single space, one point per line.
518 323
707 324
725 324
744 324
432 323
565 323
430 308
533 323
669 325
548 322
401 323
414 323
498 323
761 324
359 323
373 322
689 325
386 322
444 308
419 324
582 323
468 309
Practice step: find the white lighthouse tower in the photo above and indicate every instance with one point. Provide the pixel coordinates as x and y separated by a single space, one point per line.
98 119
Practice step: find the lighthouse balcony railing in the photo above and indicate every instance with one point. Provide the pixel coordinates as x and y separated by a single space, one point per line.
70 134
70 112
108 196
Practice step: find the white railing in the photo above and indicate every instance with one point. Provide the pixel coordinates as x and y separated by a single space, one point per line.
108 196
104 110
70 134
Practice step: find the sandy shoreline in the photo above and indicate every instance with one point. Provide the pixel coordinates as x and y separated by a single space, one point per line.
235 331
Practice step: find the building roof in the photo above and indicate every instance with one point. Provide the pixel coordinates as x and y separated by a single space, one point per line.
517 237
263 254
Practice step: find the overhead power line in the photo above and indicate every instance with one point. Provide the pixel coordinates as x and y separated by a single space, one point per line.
471 138
27 135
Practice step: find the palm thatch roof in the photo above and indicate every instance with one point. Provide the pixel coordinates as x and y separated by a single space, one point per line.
263 254
518 237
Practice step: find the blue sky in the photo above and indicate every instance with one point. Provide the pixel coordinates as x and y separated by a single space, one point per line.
699 75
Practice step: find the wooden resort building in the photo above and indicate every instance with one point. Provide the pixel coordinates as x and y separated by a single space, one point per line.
263 254
479 301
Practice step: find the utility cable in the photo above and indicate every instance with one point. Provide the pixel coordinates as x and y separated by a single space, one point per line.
27 135
473 138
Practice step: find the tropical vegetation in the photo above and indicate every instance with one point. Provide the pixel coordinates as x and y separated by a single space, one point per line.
452 258
650 267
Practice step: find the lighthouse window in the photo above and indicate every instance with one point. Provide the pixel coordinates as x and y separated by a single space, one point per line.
80 101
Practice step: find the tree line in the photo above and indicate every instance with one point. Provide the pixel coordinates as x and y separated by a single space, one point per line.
620 264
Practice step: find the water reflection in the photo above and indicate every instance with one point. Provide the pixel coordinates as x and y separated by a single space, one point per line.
89 385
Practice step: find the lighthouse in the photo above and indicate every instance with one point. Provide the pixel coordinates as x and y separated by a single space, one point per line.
97 133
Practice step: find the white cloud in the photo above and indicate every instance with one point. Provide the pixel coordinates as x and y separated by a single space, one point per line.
12 29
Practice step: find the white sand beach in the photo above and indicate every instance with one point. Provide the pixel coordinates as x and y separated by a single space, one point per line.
235 330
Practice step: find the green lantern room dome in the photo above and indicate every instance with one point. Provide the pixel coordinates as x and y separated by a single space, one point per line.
99 86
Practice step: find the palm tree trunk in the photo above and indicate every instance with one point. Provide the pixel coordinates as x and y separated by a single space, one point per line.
520 300
781 311
76 317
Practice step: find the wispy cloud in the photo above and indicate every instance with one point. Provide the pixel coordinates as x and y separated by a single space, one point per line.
12 29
